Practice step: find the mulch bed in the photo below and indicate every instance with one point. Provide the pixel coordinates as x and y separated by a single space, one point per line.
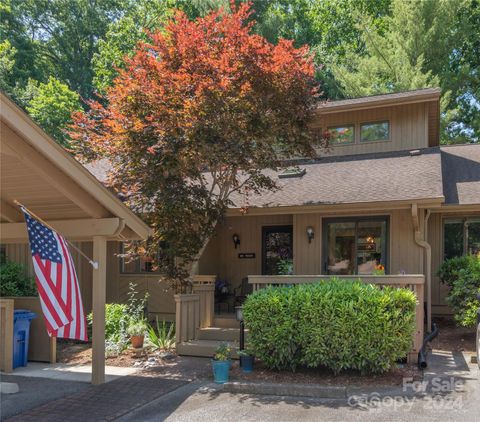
453 338
81 354
325 376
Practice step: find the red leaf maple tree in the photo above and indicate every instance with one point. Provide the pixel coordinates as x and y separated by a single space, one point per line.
198 113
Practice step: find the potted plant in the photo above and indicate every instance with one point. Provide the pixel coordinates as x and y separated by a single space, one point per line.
221 363
246 360
136 330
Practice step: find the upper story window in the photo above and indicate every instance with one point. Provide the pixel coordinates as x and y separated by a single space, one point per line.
342 135
375 131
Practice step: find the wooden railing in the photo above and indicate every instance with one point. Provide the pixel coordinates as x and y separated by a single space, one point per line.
413 282
196 310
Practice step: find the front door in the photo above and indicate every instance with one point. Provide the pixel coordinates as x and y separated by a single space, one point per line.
277 250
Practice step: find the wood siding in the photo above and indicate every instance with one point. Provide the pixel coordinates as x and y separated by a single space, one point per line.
408 129
221 257
160 302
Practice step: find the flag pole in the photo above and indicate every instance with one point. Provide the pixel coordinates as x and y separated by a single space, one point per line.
93 263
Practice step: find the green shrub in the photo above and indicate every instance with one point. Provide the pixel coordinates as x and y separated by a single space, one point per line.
117 321
14 281
336 323
462 275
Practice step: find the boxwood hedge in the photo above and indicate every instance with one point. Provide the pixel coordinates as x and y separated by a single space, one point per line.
337 324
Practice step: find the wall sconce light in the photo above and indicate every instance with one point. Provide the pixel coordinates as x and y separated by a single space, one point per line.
310 234
236 240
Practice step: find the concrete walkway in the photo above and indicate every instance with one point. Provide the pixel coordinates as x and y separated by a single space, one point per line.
65 372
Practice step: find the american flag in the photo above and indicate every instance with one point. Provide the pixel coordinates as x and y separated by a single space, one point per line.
56 281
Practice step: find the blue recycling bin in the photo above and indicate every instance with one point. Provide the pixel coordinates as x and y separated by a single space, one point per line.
21 334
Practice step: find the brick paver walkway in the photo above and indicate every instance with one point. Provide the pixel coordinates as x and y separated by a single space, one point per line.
104 402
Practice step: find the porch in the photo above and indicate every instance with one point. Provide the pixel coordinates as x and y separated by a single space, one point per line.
200 330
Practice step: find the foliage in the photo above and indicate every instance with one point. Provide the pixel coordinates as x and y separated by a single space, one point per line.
7 63
123 35
14 281
163 338
120 319
379 270
222 352
423 43
137 328
51 106
61 36
462 275
185 132
82 43
338 324
285 267
116 322
136 306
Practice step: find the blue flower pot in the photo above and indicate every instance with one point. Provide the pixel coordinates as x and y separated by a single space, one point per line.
221 370
246 362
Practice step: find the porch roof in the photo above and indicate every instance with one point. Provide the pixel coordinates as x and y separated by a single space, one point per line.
40 174
369 178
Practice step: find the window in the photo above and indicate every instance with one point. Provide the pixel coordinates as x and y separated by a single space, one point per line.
461 237
355 246
377 131
342 135
142 264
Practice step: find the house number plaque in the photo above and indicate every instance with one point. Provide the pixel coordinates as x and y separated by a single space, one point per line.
246 255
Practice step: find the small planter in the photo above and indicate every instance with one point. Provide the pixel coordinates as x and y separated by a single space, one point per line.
246 362
221 370
137 341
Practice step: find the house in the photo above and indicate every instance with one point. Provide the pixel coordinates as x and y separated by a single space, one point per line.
41 175
384 193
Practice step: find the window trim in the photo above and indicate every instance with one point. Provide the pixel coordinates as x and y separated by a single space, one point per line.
361 124
356 220
352 125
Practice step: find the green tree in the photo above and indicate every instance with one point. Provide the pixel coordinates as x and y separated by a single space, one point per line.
7 62
423 43
124 34
58 37
51 106
185 132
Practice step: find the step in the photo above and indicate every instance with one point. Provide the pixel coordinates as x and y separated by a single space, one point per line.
225 322
203 348
219 333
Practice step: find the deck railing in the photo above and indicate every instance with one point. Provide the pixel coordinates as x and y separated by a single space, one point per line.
413 282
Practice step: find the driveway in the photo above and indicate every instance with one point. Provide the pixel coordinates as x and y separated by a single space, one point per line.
450 392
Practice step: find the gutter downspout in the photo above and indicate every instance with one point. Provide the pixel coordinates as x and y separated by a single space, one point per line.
421 241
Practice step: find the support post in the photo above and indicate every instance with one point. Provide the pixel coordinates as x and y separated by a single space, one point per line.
99 298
